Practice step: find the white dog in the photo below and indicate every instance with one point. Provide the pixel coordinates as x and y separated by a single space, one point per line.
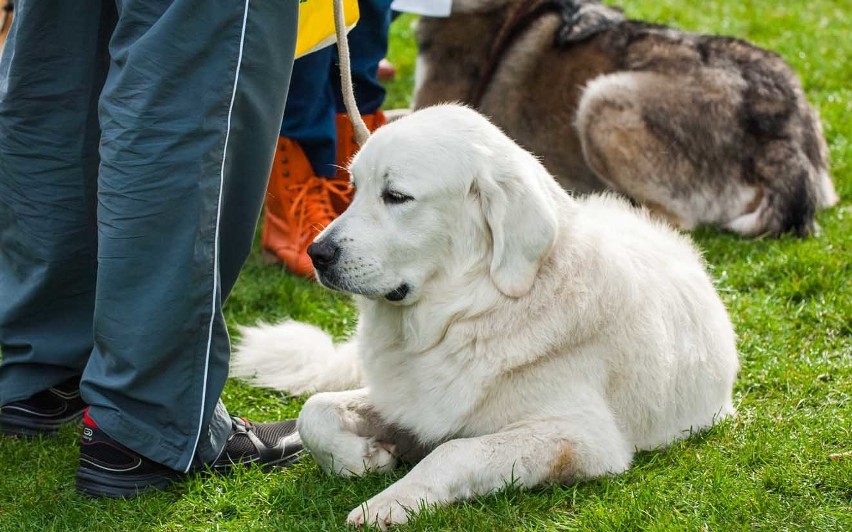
513 333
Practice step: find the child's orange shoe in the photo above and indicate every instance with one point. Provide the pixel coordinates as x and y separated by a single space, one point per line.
298 206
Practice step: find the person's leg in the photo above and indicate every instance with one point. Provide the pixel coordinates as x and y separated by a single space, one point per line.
368 43
189 115
50 76
309 113
308 187
315 93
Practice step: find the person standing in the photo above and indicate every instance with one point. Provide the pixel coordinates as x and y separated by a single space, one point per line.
136 140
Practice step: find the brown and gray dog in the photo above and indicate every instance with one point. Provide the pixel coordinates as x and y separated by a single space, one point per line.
699 129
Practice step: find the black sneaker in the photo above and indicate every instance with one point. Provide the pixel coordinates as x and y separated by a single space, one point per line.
108 469
265 444
44 412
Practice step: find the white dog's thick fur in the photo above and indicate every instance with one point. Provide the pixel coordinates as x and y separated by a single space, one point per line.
513 331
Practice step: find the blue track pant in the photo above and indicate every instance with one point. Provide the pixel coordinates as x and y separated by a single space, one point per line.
136 140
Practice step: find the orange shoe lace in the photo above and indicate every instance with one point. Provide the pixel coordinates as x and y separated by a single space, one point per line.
312 207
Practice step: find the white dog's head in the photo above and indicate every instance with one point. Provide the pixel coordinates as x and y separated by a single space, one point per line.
439 192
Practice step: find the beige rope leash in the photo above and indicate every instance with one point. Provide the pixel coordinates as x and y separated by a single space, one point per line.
361 131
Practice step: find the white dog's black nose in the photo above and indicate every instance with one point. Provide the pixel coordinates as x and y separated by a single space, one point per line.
323 254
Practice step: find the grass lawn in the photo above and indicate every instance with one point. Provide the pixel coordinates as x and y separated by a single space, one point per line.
770 469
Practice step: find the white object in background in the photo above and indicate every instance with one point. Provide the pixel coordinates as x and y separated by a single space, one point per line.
429 8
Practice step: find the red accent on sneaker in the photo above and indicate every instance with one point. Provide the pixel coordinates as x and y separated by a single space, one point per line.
88 421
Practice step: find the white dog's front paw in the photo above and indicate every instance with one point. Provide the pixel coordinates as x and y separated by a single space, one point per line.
383 511
353 455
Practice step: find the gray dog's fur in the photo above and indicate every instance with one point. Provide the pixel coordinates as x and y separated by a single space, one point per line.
699 129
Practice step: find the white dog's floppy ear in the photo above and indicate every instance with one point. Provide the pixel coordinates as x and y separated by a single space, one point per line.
522 218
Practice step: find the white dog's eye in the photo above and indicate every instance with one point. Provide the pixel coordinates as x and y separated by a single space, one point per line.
391 197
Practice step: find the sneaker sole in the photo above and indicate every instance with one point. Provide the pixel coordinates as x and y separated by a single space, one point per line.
27 427
98 484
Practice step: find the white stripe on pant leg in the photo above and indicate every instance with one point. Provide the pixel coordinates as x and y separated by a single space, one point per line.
216 243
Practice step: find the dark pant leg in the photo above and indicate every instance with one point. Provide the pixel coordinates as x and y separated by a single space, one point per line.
51 73
189 117
315 95
259 105
368 44
309 114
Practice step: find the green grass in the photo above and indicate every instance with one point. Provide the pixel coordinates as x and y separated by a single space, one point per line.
769 469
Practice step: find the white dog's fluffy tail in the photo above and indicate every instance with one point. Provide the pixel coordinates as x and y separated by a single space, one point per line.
295 357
